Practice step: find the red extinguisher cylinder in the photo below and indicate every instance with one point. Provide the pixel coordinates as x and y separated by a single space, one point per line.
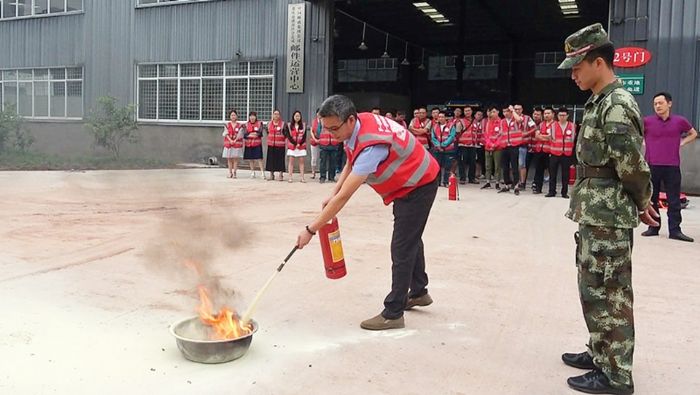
452 187
332 250
572 175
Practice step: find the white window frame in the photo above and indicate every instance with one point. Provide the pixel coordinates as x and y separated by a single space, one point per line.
48 11
162 3
558 57
248 77
49 80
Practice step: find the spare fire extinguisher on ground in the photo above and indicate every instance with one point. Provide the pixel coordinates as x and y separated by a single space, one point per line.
332 249
572 175
453 191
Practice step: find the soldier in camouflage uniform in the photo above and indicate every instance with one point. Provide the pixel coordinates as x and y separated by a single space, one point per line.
611 195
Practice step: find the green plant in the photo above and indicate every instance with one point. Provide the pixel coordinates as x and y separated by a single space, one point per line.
111 125
12 130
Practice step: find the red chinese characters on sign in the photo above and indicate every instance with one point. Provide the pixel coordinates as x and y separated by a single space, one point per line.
631 57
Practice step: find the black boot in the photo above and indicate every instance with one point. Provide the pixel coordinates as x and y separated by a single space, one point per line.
582 360
595 382
651 232
678 235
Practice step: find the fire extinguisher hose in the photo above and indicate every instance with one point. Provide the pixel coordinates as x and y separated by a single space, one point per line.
249 313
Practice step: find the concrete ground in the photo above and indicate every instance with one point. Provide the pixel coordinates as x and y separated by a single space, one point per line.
91 278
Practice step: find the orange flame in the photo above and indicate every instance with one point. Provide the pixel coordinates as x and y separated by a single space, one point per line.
226 324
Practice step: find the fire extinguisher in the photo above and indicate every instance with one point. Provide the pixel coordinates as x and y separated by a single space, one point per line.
332 249
572 175
452 190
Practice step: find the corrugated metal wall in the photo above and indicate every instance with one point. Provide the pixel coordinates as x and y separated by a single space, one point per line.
670 29
113 35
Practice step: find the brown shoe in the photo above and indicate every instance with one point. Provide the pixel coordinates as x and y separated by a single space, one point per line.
420 301
379 323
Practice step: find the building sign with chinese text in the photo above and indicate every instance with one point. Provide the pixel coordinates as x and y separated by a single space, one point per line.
631 57
634 83
296 32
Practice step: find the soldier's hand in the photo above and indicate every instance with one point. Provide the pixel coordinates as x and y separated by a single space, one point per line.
647 216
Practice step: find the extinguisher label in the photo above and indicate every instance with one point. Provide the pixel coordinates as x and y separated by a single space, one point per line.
336 246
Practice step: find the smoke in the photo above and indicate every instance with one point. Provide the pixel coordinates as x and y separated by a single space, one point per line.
186 245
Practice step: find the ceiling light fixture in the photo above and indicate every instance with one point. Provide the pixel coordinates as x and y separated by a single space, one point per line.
405 61
363 46
386 47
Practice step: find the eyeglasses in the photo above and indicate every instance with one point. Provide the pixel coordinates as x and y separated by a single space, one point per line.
335 128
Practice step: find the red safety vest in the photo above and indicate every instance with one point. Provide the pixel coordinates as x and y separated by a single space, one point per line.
442 133
327 139
467 138
422 138
253 134
233 134
512 135
562 143
523 125
533 143
478 130
275 134
297 134
316 129
492 136
408 165
545 130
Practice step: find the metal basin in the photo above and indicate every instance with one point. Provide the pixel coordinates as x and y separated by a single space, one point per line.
187 331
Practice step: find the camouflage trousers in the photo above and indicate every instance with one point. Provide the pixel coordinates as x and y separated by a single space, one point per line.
603 257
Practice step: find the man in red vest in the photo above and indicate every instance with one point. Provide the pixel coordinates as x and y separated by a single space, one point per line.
420 127
511 140
467 149
527 127
561 149
391 161
401 119
540 149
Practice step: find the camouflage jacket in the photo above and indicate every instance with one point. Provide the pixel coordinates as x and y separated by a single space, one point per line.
611 136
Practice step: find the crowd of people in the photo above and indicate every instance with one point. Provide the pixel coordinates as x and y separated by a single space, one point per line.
292 140
477 145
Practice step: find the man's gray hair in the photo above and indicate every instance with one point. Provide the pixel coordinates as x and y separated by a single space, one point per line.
339 106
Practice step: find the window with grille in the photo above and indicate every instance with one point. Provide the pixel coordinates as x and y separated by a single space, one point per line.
546 64
204 92
13 9
43 93
367 70
476 67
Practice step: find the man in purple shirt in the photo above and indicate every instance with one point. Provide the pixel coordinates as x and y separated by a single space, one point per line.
664 134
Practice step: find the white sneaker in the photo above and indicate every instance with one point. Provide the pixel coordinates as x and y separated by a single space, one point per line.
252 175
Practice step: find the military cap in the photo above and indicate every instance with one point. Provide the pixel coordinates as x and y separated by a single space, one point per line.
577 45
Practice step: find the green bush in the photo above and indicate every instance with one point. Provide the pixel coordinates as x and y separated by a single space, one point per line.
13 134
112 125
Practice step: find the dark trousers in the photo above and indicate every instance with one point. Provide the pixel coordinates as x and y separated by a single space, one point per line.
541 161
671 178
559 163
329 158
509 163
481 159
445 159
467 158
408 277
